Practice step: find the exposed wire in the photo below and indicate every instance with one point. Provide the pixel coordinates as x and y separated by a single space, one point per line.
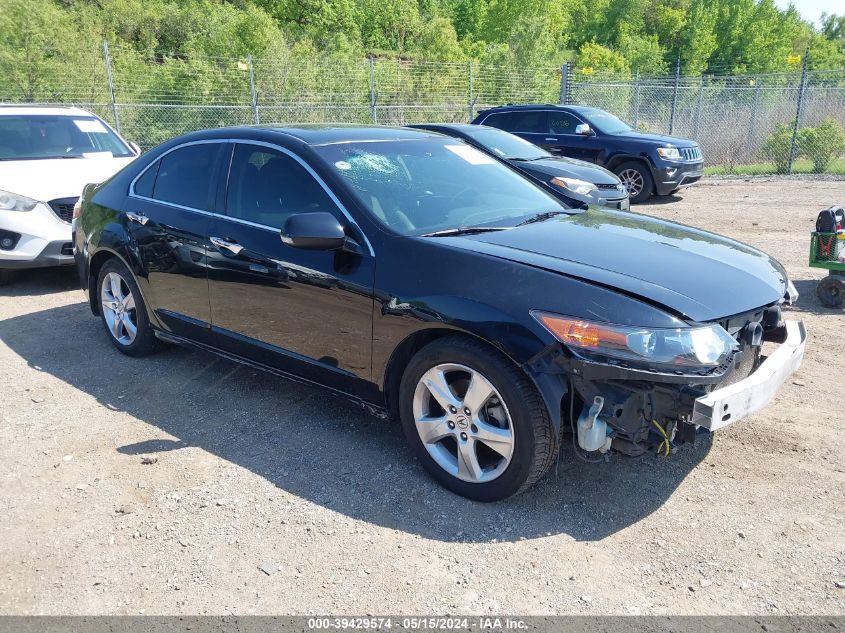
664 445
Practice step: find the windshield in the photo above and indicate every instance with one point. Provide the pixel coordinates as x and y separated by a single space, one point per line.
606 122
506 145
33 137
428 185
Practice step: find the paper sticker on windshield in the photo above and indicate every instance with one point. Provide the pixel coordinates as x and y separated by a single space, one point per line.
90 126
471 155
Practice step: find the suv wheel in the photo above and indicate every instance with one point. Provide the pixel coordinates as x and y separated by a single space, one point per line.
637 180
475 421
123 311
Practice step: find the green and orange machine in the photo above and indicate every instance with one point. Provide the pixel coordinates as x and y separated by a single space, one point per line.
827 250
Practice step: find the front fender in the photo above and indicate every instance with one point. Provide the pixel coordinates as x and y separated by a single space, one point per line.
400 323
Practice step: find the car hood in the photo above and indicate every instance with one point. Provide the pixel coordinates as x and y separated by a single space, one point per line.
49 179
663 139
695 274
568 168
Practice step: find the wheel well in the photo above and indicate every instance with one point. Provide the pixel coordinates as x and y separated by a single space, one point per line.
403 354
613 164
97 262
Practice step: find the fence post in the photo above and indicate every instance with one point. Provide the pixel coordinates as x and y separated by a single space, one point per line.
675 95
752 124
698 107
373 112
566 83
107 59
253 94
637 102
471 99
798 111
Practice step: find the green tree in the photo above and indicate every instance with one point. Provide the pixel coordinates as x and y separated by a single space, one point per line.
833 28
41 48
644 53
388 24
437 41
698 42
594 57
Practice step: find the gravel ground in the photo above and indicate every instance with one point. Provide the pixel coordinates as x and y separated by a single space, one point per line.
184 484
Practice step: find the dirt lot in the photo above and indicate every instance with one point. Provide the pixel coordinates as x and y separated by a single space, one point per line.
268 497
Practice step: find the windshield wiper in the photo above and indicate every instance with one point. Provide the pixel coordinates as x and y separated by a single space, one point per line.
465 230
541 216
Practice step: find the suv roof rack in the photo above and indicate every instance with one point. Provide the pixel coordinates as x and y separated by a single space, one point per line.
531 105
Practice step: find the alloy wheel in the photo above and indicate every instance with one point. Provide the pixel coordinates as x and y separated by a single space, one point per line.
633 181
463 423
119 308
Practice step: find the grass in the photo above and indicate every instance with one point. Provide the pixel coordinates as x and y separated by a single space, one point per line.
801 166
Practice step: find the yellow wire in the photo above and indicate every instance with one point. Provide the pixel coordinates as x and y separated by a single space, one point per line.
665 442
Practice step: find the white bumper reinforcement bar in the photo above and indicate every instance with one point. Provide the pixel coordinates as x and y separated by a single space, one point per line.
733 402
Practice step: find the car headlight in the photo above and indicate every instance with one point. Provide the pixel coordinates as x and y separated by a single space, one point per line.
669 153
581 187
13 202
673 348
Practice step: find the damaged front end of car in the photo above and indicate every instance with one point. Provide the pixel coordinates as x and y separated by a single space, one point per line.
638 390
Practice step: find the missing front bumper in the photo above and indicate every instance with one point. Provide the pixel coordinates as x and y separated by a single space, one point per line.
729 404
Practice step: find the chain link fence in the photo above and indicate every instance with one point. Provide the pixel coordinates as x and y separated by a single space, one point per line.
745 124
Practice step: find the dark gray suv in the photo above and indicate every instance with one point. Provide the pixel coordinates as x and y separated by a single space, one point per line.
646 163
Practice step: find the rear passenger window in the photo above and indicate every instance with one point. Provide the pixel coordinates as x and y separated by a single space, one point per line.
266 187
519 122
144 184
186 176
496 120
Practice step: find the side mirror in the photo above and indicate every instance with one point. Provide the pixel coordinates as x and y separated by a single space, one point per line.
135 148
318 231
583 129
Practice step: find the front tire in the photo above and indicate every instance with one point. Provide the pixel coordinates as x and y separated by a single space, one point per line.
475 420
637 180
123 312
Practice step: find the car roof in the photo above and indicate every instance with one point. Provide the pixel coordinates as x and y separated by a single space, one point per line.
534 106
14 109
329 133
446 126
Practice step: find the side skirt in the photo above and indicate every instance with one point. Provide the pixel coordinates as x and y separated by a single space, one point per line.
373 409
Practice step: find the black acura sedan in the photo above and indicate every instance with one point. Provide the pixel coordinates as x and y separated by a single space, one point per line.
425 280
576 182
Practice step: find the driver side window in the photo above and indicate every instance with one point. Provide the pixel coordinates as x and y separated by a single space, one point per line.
267 186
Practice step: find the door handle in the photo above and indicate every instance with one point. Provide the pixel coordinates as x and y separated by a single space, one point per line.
137 217
549 138
232 247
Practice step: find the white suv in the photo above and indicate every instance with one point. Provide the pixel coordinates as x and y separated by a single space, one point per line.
47 155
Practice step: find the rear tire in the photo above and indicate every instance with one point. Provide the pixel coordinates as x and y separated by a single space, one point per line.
637 179
496 441
6 277
123 312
